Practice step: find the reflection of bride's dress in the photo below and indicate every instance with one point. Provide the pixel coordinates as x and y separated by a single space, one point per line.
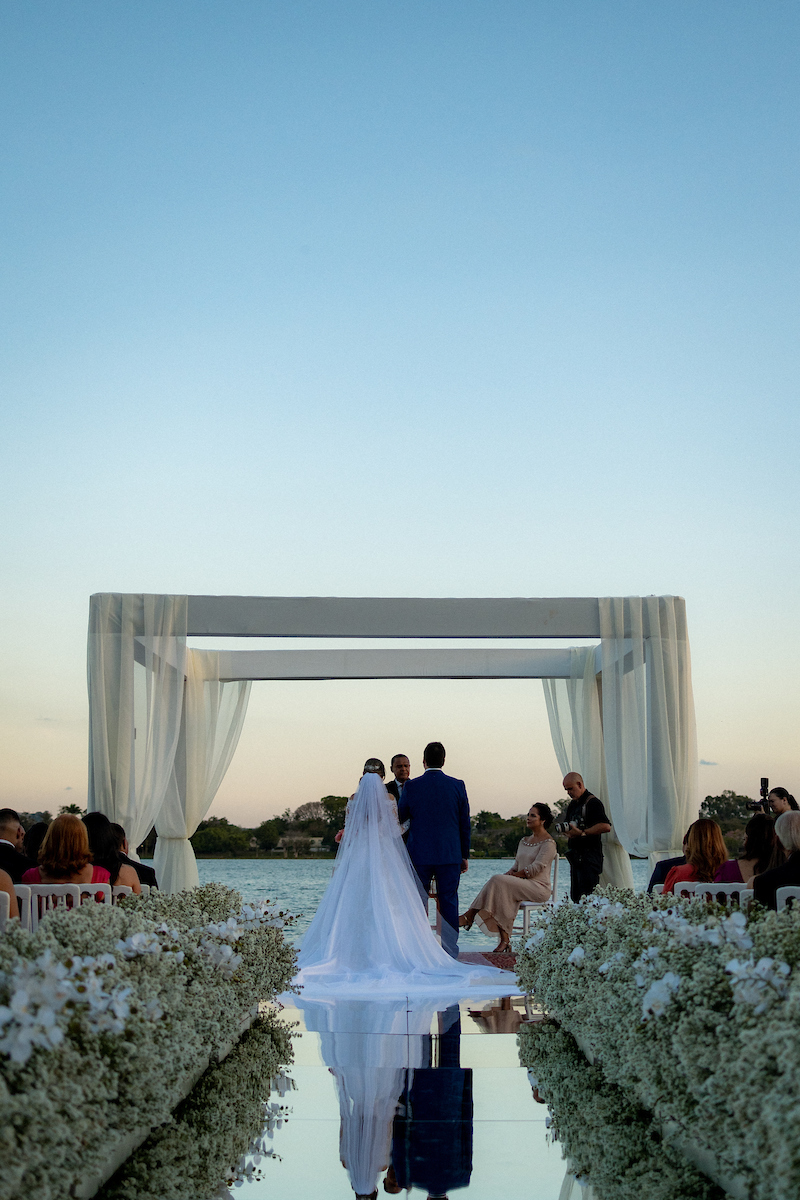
371 932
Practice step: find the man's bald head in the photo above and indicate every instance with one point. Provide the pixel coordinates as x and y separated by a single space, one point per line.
574 785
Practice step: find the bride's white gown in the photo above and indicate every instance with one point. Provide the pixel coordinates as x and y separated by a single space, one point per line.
371 933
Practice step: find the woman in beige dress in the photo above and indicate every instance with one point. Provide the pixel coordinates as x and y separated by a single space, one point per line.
496 906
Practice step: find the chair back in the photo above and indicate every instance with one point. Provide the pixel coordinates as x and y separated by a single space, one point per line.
786 893
101 892
657 889
684 890
529 906
23 894
725 893
5 910
47 896
145 888
119 890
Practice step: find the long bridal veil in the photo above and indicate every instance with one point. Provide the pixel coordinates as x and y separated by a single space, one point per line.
371 932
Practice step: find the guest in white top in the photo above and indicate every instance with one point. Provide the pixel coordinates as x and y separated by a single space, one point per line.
496 906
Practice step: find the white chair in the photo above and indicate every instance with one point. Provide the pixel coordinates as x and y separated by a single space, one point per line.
786 893
5 910
657 889
684 890
530 906
23 894
725 893
101 892
145 888
47 896
119 890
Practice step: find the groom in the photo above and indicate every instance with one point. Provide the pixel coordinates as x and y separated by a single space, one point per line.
438 841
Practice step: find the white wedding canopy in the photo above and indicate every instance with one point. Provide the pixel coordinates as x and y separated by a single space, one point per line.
164 720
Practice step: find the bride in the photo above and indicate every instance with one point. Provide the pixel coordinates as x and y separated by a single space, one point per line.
371 931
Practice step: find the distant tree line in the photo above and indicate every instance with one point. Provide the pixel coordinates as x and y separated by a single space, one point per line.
493 836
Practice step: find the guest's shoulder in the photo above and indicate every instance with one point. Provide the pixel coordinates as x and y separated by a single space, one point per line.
100 875
31 875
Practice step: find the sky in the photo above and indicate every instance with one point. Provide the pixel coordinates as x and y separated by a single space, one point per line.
420 299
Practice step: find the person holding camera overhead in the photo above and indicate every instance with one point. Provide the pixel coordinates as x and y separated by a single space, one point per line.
584 822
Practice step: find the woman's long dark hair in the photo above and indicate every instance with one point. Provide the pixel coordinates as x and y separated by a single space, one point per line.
103 843
545 814
759 841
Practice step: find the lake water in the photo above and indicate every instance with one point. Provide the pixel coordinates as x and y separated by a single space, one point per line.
298 884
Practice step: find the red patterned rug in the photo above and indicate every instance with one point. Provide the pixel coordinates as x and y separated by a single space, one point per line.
506 962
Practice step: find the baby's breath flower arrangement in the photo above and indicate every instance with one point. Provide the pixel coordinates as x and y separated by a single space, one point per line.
223 1132
611 1143
106 1013
693 1011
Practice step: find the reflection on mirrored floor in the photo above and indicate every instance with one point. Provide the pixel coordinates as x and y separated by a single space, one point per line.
388 1098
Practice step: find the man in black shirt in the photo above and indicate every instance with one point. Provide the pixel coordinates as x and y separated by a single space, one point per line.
588 821
11 834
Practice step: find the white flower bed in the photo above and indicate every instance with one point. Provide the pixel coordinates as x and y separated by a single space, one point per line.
223 1132
104 1013
693 1011
610 1142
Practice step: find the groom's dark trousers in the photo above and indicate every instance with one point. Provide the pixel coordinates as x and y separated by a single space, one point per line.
438 840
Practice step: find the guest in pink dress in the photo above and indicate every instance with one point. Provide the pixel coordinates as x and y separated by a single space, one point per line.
760 852
705 853
64 856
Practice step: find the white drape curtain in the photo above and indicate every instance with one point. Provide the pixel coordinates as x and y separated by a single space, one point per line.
573 709
649 722
213 715
133 731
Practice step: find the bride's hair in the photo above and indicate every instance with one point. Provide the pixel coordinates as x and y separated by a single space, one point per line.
374 766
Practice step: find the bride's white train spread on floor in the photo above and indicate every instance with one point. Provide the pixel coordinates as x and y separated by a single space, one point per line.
370 935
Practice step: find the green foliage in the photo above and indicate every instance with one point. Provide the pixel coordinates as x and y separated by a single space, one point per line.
269 833
334 807
729 809
494 836
217 836
73 809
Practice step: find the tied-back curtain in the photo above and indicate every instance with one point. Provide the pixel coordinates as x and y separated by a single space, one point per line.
649 722
134 716
573 709
213 715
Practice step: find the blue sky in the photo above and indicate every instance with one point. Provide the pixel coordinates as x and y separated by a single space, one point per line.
424 299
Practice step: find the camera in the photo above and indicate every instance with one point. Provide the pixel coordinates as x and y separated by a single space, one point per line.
761 805
563 827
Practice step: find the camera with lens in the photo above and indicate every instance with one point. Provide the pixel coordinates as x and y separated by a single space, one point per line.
563 827
761 805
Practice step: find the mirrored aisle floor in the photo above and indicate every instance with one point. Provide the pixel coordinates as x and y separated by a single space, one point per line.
437 1096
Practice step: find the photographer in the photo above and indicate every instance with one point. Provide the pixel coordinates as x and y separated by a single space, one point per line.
586 820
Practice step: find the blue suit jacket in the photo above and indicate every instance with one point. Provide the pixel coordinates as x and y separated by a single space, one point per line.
438 808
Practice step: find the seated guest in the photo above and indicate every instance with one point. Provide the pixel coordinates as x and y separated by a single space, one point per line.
7 886
33 840
65 857
11 838
757 852
103 845
496 906
705 853
780 801
765 886
663 868
146 874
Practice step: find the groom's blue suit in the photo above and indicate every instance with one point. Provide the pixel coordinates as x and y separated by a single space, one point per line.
438 840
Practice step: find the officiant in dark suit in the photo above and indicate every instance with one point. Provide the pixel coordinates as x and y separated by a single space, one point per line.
401 769
11 835
438 840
